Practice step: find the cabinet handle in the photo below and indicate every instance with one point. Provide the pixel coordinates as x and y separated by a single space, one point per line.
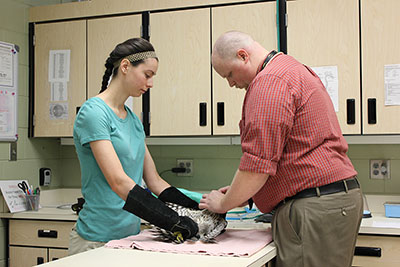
53 259
203 114
40 260
371 111
77 109
368 251
220 113
47 233
351 111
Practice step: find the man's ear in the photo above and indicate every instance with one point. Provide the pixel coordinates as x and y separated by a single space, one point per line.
242 55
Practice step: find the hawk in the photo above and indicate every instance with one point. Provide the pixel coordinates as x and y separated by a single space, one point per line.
210 225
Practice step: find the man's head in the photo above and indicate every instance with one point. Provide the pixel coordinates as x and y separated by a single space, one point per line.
236 57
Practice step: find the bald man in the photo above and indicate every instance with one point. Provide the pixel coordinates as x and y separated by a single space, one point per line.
294 156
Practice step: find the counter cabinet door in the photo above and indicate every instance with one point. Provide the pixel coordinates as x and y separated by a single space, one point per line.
318 38
56 103
380 48
27 256
103 35
180 100
258 20
55 253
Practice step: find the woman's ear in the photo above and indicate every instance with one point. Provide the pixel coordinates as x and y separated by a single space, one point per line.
124 65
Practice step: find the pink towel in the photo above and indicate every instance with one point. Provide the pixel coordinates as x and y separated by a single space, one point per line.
233 242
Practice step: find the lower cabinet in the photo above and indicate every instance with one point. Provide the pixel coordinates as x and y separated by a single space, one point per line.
389 245
33 242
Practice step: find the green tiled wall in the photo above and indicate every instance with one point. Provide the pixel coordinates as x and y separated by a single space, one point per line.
214 166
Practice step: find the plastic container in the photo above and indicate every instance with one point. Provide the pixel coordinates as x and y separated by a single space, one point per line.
392 209
32 202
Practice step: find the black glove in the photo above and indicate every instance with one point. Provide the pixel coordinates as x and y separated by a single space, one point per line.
173 195
144 205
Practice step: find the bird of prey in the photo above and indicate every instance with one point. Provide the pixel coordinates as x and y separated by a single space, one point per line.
210 225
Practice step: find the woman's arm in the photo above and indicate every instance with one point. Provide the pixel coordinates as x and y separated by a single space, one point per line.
150 175
111 167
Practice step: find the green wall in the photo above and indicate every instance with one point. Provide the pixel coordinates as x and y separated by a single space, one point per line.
214 166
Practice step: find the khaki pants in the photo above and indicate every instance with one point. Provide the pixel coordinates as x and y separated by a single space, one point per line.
318 231
77 244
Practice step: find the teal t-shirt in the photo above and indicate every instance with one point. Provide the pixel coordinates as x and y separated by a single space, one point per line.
102 217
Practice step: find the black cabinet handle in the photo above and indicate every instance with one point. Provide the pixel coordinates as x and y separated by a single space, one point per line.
53 259
47 233
77 109
368 251
351 111
203 114
220 113
371 111
39 260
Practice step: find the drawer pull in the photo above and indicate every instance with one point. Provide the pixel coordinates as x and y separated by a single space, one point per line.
203 114
40 260
368 251
351 111
47 233
220 113
371 111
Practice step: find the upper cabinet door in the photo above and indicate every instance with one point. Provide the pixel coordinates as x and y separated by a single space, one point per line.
103 35
56 102
258 20
380 50
180 99
326 34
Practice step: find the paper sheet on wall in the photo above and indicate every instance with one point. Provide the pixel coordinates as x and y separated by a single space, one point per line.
6 65
329 77
13 195
59 64
392 85
58 111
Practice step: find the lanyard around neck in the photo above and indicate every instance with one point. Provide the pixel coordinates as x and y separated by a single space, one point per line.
268 58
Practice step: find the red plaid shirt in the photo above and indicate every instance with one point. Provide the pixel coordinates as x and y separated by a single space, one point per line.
289 130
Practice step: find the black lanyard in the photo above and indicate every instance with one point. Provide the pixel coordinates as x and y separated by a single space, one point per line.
269 57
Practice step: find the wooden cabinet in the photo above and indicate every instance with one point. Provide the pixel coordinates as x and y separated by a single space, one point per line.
55 104
32 242
326 33
258 20
379 47
183 82
103 35
181 92
389 251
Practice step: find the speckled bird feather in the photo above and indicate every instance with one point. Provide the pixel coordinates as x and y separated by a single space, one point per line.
210 224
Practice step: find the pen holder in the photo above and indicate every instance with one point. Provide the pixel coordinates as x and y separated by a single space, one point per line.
32 202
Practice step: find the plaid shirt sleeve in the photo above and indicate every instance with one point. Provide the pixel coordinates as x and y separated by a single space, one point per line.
267 119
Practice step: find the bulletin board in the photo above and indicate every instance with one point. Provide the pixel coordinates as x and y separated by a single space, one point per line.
8 92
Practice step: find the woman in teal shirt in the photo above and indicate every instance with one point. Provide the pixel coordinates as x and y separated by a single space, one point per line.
109 140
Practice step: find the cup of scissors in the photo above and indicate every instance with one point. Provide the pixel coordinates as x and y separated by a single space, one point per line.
32 197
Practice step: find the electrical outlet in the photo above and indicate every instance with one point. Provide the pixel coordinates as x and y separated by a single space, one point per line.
379 169
185 163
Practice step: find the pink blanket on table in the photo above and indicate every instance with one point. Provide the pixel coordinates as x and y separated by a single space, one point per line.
233 242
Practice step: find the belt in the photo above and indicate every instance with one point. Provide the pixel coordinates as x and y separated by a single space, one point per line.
336 187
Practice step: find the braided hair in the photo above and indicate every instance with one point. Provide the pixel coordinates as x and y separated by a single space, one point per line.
130 46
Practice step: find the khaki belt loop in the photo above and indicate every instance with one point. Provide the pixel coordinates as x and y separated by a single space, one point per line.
345 186
318 191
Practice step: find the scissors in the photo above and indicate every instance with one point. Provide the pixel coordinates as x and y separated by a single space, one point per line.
24 187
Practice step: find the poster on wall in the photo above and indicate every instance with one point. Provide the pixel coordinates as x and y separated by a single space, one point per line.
329 77
8 92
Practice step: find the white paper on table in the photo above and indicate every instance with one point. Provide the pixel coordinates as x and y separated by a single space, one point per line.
392 85
59 65
6 65
330 79
13 195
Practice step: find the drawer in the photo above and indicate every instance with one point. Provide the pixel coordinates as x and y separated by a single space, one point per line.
40 233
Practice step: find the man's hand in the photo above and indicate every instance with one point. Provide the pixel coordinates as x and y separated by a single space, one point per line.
212 202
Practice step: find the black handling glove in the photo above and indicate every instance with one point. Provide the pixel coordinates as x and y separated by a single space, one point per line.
144 205
173 195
